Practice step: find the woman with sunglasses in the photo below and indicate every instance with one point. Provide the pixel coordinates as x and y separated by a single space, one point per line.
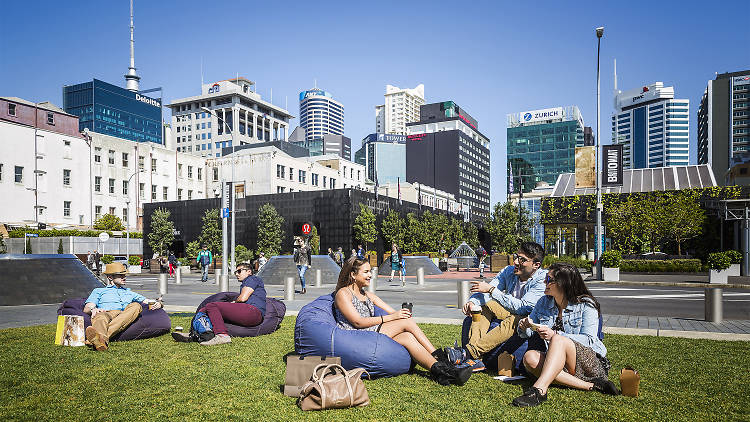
247 310
567 319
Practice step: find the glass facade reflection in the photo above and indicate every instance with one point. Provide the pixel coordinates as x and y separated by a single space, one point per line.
108 109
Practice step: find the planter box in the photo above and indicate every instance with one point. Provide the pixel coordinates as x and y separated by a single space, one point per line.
134 269
498 262
611 274
718 277
733 270
185 269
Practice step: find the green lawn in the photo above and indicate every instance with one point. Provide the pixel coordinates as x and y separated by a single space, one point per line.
158 379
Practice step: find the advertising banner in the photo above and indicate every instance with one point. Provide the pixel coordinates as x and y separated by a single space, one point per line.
585 167
612 165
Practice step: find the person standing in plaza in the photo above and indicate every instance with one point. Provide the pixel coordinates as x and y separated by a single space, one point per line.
90 261
204 259
395 260
172 263
97 258
262 260
339 259
360 252
302 259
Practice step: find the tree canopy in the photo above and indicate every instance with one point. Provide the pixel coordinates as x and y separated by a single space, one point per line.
161 236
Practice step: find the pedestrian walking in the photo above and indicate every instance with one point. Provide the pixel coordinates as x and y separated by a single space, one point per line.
302 259
97 258
204 260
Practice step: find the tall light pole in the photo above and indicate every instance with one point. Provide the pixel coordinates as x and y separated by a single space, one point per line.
599 233
127 205
231 139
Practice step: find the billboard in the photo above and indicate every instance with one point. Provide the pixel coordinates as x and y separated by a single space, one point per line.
543 114
585 167
612 165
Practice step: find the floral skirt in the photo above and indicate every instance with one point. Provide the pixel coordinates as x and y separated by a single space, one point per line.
589 364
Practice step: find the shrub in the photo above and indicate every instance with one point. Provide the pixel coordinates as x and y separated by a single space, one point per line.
611 259
184 262
59 247
735 257
134 260
718 261
583 264
660 265
107 259
19 233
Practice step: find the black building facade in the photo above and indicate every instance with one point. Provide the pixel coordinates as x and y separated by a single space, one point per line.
455 160
331 211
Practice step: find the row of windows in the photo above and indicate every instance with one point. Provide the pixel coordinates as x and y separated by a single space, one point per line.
12 112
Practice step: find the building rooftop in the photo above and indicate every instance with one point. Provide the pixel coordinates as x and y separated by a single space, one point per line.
46 105
644 180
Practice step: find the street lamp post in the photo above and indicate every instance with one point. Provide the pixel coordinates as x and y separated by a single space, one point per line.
599 230
231 139
127 223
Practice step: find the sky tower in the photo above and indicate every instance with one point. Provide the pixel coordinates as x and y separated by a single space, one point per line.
131 79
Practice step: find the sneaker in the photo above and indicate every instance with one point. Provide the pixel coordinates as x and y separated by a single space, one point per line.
456 355
181 337
532 397
605 386
219 339
403 283
476 365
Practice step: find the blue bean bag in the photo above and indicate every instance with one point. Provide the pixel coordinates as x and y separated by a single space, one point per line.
148 324
316 334
275 310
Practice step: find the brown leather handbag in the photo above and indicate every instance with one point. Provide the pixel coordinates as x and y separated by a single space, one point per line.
333 387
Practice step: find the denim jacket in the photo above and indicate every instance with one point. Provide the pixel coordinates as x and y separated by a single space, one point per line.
505 282
580 322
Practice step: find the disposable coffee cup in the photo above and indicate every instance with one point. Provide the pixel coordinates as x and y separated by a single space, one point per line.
476 311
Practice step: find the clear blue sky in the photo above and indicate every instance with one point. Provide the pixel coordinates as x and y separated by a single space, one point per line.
491 57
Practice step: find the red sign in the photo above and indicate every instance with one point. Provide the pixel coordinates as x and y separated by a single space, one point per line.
416 137
306 228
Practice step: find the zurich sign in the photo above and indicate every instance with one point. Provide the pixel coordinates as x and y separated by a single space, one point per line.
527 116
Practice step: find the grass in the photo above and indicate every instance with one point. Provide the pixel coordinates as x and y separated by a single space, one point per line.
158 379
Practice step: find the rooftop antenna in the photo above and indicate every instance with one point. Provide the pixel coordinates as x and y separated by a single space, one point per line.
315 83
615 76
271 95
131 79
286 102
201 70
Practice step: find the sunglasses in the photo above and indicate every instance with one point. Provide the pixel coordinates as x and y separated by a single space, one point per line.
241 270
521 260
549 280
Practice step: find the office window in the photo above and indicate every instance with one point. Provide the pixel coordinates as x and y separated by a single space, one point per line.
179 170
179 194
111 157
279 171
153 165
97 184
216 174
1 172
153 192
190 194
112 210
50 118
66 208
140 162
314 179
324 181
124 187
165 192
66 177
125 216
280 189
200 173
291 173
125 159
11 109
97 155
97 212
358 174
142 190
190 172
302 176
333 183
111 185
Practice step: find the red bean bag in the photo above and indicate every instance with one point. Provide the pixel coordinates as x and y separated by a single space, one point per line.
148 324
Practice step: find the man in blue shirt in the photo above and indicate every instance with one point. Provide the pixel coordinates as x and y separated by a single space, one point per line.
112 308
360 252
510 296
204 259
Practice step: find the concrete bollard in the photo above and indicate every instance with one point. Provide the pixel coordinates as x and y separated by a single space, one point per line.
224 283
713 305
464 292
318 278
217 276
178 276
373 282
289 288
375 274
420 276
163 283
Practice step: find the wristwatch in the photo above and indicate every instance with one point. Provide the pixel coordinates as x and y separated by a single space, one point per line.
491 290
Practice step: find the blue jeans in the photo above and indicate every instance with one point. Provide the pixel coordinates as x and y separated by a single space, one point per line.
204 277
302 269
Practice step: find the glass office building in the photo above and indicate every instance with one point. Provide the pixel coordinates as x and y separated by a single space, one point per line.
541 145
111 110
383 156
320 114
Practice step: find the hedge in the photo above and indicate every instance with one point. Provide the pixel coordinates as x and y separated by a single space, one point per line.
660 266
20 233
583 264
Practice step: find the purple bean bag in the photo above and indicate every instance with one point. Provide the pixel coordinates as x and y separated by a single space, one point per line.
148 324
275 310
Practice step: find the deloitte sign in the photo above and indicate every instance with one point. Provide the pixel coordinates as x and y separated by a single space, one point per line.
147 100
543 114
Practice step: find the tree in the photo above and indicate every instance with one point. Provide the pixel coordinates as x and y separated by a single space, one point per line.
108 222
364 228
392 229
685 219
3 249
455 234
59 247
314 241
161 236
471 234
192 249
270 232
412 234
210 231
503 228
242 254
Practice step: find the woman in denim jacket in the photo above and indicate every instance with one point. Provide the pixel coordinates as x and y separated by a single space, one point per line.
567 319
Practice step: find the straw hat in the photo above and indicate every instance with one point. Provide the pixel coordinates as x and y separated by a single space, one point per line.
115 268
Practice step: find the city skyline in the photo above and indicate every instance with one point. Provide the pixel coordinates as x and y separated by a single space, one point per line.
544 57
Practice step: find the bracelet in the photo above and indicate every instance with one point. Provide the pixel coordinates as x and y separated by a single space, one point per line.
491 290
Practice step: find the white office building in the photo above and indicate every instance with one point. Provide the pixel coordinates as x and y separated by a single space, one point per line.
401 107
319 115
424 195
242 116
652 125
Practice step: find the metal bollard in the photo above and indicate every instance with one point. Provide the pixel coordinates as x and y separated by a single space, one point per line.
713 305
464 292
420 276
318 278
224 283
163 283
177 276
217 274
373 282
289 288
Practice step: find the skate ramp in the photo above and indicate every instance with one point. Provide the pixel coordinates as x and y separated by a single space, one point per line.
412 263
43 279
280 267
